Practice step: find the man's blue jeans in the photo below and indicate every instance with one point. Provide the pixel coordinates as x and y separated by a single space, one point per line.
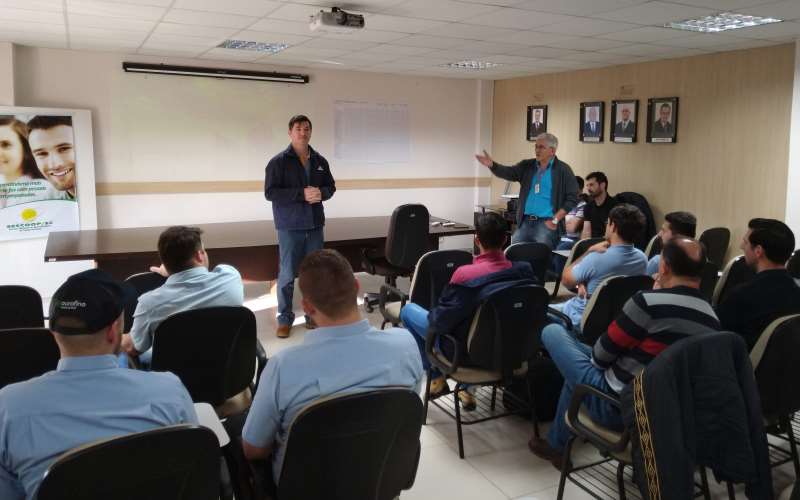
535 231
293 246
415 319
574 361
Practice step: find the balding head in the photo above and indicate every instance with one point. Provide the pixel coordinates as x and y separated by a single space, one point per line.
682 262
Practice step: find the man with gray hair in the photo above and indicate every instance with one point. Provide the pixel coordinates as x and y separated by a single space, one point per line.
548 191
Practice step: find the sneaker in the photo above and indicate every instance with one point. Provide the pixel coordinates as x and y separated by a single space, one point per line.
283 331
310 324
467 400
542 449
438 387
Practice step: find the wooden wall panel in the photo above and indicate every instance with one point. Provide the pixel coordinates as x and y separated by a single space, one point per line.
730 162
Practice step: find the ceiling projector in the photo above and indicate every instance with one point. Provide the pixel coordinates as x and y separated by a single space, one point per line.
336 21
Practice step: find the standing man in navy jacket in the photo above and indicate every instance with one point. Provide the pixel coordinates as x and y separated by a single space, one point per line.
298 180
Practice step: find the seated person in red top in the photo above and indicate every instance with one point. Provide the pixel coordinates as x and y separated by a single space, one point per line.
489 272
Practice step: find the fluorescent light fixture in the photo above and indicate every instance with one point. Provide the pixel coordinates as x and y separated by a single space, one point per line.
721 22
236 74
269 48
471 65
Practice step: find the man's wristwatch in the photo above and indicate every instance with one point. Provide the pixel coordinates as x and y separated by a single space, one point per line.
555 221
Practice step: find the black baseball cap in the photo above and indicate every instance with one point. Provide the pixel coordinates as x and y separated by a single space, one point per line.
88 302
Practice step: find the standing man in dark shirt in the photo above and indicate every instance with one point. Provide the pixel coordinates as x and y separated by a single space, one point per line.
595 213
547 193
298 180
773 293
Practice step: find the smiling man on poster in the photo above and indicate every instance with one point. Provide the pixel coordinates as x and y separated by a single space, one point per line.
52 142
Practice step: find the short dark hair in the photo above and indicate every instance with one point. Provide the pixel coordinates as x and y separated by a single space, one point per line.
628 220
579 180
491 230
599 177
665 105
775 238
680 262
299 119
326 279
43 122
177 245
682 223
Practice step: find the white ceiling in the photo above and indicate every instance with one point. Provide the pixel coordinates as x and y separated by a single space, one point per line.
525 37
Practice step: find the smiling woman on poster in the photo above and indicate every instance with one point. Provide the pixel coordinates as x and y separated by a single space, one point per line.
22 181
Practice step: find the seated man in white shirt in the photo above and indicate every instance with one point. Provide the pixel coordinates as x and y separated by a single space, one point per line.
189 285
344 351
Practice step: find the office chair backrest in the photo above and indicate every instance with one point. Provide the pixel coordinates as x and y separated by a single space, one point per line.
538 255
580 248
793 265
20 307
708 280
26 353
607 301
736 273
433 273
506 329
654 247
142 283
640 202
361 446
407 240
171 463
212 351
716 241
776 362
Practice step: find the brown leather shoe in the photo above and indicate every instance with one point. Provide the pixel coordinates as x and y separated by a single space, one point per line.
283 331
542 449
467 400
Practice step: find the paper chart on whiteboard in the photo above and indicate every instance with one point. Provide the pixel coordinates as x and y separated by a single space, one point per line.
373 132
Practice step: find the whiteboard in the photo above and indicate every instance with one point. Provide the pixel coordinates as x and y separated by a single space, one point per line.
374 132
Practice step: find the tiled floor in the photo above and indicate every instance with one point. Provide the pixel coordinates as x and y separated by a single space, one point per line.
498 464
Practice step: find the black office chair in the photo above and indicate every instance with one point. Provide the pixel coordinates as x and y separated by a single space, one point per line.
214 352
606 303
736 273
793 265
640 202
776 362
654 247
505 334
708 280
576 252
180 462
431 274
20 307
26 353
406 242
362 446
716 241
538 255
142 283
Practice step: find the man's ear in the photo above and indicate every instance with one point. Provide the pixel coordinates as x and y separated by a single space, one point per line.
358 286
115 329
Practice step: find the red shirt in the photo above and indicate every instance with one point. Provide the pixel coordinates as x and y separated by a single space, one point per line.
486 263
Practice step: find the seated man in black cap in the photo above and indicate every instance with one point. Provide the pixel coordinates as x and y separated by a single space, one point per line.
88 397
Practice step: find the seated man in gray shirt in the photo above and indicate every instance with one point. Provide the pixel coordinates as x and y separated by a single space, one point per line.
189 285
343 355
88 397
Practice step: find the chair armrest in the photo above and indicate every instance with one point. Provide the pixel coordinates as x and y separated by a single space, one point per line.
261 363
430 343
390 294
367 256
580 392
561 316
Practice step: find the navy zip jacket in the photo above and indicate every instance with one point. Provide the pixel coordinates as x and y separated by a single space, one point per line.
458 302
283 186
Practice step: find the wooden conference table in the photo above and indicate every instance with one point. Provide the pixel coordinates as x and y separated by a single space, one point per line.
251 246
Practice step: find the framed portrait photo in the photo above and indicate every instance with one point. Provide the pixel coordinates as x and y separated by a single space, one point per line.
662 116
537 121
624 120
591 121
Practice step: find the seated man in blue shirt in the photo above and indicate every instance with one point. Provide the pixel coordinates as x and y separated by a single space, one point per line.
344 354
676 224
614 257
189 285
87 398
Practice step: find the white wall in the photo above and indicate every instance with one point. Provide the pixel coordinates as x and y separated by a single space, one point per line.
152 128
793 177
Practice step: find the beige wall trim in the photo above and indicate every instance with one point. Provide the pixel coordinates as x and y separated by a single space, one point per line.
119 188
